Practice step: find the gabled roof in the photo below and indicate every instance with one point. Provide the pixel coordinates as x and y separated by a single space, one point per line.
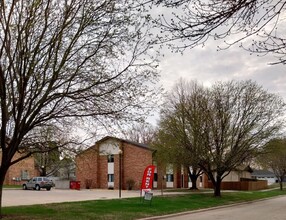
144 146
262 173
243 168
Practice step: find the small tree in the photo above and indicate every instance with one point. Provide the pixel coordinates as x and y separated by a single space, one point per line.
47 152
67 168
274 158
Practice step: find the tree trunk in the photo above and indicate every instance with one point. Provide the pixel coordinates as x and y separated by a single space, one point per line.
217 187
1 190
2 178
193 176
194 181
216 183
281 182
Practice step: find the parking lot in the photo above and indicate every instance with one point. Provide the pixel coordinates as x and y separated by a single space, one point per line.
18 197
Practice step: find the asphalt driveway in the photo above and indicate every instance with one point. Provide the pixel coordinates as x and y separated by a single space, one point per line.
16 197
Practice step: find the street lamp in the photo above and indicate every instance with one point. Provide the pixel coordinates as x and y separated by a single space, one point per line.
120 172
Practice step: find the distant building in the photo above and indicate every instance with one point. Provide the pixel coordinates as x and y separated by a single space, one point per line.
264 175
240 179
101 165
21 171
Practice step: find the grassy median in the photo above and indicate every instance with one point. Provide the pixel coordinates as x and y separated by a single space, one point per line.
131 208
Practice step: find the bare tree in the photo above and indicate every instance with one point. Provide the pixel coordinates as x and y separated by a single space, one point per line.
140 132
219 128
239 119
194 22
67 168
63 60
48 157
274 158
179 136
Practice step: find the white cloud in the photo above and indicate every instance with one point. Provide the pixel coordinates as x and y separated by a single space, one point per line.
207 65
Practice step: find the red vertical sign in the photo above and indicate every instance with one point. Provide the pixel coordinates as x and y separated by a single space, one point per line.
147 180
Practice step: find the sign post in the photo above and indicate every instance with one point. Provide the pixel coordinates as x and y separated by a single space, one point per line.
148 197
147 182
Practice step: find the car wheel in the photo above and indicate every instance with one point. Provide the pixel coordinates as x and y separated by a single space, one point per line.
38 187
24 187
48 189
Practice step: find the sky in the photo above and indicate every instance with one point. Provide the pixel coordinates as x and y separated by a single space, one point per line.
207 66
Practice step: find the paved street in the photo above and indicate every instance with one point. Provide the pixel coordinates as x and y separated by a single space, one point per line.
271 209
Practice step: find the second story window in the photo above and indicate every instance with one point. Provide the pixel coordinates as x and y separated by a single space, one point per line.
110 158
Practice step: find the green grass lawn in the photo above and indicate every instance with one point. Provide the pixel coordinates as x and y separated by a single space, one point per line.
131 208
12 186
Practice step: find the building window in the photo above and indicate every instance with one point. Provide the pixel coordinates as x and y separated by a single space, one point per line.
169 173
169 178
110 158
110 178
155 177
25 175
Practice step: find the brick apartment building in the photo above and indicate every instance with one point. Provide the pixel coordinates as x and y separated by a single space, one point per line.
100 166
21 171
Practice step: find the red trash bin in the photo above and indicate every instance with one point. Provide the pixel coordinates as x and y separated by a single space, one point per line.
75 185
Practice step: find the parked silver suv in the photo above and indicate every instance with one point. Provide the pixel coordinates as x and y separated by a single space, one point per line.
38 182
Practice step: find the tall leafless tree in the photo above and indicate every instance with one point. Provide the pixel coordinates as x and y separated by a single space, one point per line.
221 127
140 132
240 118
178 139
67 59
189 23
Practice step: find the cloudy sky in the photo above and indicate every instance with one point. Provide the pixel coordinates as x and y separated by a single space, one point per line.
207 65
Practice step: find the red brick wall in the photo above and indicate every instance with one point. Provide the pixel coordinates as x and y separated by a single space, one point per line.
16 169
89 165
182 178
186 179
135 160
116 172
177 178
86 168
102 173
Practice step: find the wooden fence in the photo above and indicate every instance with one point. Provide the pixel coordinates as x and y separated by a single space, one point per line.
244 184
